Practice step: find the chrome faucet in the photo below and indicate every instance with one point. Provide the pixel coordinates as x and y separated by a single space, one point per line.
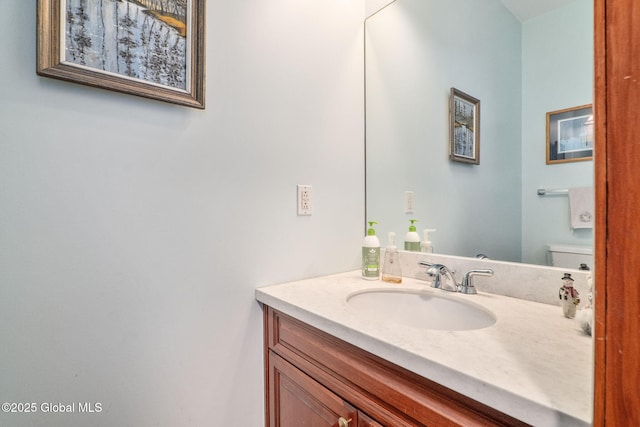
445 279
466 287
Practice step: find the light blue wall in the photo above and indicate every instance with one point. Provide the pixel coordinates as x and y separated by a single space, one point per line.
557 55
133 232
416 51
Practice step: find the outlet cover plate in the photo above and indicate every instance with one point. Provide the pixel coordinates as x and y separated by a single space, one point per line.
304 200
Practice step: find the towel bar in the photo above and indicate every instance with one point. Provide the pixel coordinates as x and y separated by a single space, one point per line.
543 192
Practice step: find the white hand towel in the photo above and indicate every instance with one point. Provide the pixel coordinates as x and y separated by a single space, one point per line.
581 207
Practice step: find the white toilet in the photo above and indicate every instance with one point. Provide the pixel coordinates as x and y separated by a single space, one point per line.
570 256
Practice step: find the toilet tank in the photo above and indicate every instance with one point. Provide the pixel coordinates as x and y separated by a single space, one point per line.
570 256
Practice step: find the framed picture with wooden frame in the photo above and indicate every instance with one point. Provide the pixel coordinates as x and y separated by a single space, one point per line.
570 135
149 48
464 124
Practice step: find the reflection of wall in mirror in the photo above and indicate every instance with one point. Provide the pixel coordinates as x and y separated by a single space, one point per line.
414 59
567 83
521 77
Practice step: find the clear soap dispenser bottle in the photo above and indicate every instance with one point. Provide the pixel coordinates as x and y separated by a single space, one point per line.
391 271
425 245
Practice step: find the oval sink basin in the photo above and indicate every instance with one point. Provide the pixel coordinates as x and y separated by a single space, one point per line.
420 309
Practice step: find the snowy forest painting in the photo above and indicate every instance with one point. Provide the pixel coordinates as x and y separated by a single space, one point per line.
150 48
465 124
463 128
142 39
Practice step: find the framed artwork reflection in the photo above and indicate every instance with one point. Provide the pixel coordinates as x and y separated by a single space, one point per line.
464 127
570 135
149 48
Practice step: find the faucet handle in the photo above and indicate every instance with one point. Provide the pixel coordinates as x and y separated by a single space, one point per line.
443 278
433 272
466 287
433 278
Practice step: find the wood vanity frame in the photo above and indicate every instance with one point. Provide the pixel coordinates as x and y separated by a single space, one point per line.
617 235
369 390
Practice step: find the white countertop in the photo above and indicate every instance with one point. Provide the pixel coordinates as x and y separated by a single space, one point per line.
532 364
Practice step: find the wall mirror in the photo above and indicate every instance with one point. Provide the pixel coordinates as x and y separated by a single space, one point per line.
520 66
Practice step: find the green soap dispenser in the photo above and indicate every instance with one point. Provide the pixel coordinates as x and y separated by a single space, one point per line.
371 254
412 238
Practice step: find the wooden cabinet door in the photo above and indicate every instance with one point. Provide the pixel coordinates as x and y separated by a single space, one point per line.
299 401
365 421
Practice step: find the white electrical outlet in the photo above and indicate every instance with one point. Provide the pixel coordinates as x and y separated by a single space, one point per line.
304 200
408 202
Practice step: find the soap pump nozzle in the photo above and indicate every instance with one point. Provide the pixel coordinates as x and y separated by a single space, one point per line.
392 241
371 231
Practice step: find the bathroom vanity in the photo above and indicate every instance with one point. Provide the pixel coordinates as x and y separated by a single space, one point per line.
313 375
326 360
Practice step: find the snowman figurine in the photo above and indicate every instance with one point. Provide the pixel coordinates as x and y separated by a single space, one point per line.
569 297
585 316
